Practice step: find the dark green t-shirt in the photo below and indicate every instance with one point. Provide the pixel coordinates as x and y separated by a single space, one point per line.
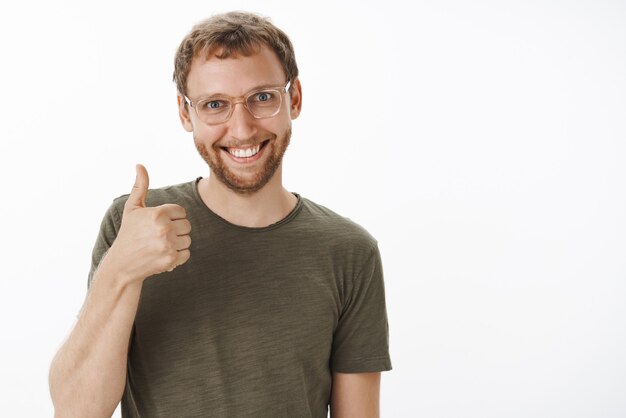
255 321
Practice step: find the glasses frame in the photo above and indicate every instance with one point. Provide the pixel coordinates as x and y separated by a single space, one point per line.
241 99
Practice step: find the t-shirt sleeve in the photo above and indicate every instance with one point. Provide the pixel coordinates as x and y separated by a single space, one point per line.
361 339
109 228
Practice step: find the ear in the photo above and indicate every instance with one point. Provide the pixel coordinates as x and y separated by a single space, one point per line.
295 102
183 113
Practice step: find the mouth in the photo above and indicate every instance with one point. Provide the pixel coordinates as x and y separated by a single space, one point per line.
246 154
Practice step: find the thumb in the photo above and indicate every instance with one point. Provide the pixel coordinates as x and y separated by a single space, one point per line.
137 198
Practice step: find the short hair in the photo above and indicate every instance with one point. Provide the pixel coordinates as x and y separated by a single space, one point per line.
232 33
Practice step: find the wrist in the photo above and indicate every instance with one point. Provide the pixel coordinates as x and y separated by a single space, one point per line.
116 274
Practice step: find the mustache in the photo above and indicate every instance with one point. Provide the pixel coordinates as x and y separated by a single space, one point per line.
240 143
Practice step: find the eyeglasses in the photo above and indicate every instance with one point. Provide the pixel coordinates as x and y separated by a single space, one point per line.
261 103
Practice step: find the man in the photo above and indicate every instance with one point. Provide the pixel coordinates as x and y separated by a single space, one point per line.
228 296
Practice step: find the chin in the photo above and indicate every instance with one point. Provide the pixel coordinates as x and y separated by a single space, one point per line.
246 185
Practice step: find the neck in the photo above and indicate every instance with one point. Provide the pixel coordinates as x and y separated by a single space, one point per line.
263 208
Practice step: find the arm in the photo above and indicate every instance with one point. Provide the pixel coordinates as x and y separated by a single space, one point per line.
355 395
88 374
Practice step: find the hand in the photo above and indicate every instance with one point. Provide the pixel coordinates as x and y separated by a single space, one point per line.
151 240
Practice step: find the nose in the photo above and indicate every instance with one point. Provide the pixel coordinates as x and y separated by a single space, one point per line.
241 123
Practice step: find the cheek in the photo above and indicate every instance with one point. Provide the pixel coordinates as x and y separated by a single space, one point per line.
277 125
207 135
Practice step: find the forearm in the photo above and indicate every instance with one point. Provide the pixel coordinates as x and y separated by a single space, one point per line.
88 374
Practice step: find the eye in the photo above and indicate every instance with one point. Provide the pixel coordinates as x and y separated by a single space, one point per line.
213 105
263 96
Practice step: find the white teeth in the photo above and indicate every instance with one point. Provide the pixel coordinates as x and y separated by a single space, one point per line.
245 153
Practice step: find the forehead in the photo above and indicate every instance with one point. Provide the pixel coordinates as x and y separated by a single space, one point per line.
235 75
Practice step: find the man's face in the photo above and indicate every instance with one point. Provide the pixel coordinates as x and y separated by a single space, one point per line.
226 147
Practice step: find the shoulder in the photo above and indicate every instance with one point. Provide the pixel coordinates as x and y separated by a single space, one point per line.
337 230
180 193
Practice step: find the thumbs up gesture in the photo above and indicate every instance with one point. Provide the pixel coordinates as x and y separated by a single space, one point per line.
151 240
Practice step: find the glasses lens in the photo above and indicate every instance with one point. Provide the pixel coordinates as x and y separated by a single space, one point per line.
265 103
213 110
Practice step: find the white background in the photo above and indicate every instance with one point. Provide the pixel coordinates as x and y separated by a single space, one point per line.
482 143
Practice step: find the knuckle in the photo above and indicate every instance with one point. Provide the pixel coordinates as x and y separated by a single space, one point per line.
155 214
170 258
164 247
162 231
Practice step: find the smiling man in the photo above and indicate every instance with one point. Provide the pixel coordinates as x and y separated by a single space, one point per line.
228 296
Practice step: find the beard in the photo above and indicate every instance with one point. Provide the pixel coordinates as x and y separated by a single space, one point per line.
263 175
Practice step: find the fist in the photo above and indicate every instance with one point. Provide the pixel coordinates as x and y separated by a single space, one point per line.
151 240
